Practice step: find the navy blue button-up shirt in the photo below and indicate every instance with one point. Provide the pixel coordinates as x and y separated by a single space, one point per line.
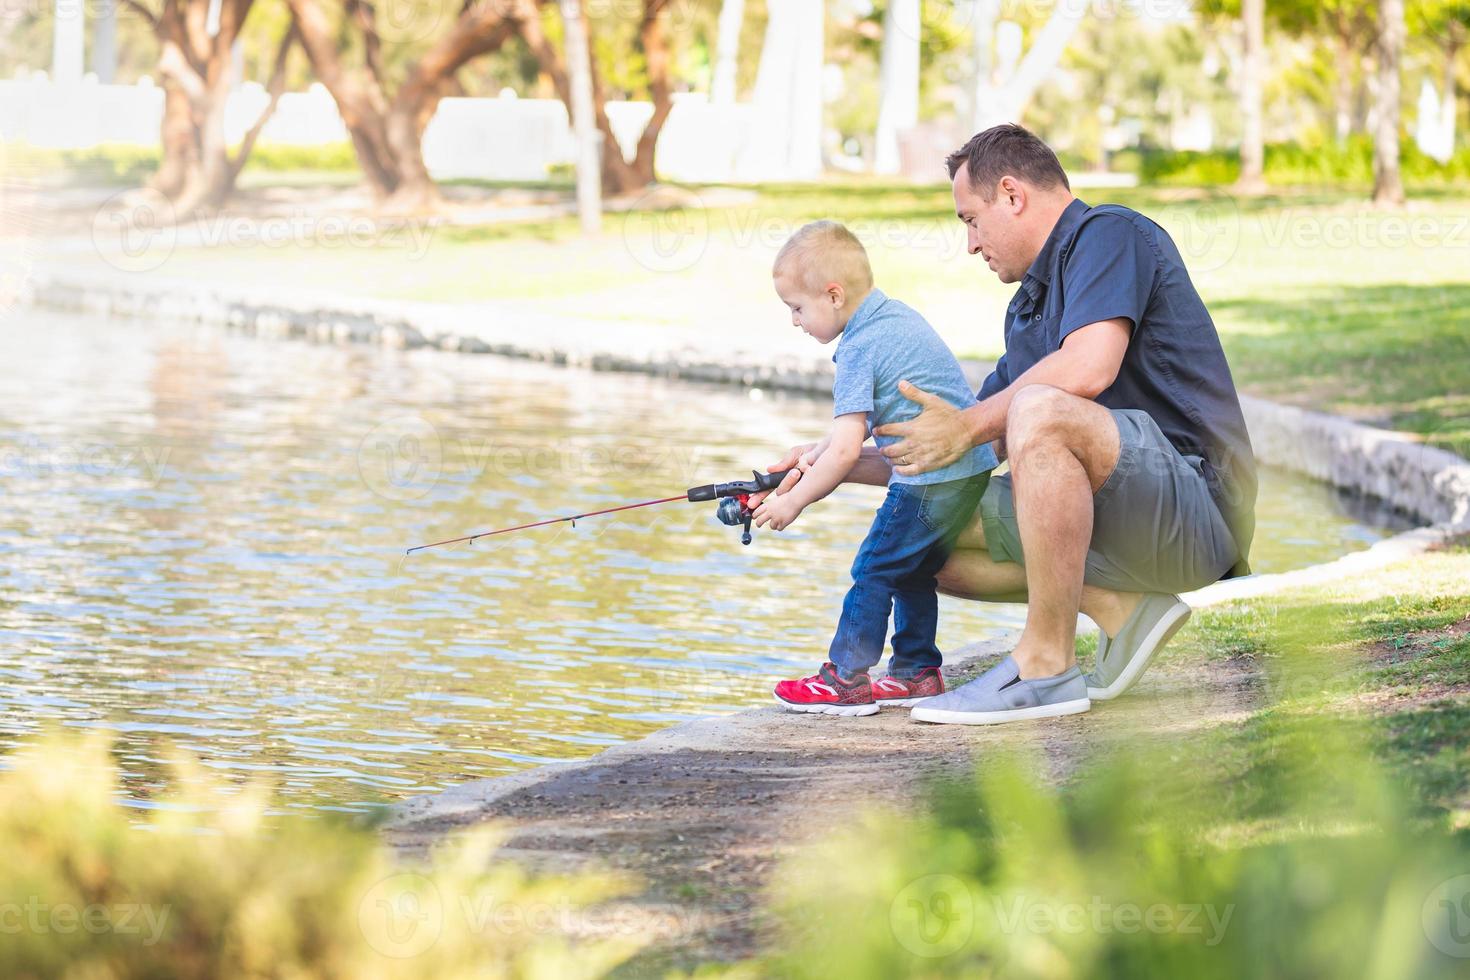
1111 261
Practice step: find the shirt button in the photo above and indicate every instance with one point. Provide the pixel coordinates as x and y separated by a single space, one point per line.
1036 317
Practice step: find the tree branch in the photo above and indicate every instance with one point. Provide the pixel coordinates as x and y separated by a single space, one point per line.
276 86
143 12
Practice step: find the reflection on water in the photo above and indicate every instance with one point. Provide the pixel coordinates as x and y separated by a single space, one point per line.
204 537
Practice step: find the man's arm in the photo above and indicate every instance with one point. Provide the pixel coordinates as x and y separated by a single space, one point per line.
1086 365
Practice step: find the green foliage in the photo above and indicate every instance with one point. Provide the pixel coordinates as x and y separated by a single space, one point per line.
1295 164
208 886
332 157
125 163
1006 878
1316 863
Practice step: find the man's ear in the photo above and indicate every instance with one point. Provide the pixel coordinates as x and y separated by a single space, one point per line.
1012 194
836 294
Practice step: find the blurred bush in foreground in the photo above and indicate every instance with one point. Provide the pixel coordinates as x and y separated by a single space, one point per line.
1273 843
208 886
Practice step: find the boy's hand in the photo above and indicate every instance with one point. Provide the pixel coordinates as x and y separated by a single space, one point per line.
798 460
778 512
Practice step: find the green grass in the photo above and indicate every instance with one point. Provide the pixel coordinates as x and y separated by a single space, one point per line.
1320 300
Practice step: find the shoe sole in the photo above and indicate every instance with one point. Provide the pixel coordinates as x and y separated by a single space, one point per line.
1169 624
939 716
845 710
903 702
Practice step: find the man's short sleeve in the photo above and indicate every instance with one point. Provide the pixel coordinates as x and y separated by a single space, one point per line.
998 380
852 387
1109 273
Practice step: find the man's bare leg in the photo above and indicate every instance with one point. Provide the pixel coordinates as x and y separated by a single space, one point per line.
1062 448
971 573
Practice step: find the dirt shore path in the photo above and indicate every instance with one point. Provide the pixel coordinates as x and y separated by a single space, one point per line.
703 812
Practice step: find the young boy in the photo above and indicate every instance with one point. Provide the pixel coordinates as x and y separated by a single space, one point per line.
822 274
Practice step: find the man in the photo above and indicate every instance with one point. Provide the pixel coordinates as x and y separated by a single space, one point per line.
1131 473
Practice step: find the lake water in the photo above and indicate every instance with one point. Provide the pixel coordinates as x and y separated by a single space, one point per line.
203 546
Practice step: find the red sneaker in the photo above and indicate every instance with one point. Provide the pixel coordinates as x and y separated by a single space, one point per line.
897 693
825 692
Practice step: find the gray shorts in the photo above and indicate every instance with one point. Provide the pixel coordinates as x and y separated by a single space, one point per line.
1155 527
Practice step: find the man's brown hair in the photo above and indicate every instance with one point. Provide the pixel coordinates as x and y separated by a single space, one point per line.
1007 150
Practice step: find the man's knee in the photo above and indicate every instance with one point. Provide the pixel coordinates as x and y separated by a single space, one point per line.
1037 413
1043 418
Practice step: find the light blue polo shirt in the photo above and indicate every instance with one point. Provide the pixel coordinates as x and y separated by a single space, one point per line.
886 342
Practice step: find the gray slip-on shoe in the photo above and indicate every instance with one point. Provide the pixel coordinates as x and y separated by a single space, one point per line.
1123 659
1000 695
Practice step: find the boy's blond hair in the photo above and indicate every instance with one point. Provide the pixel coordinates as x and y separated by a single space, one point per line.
823 252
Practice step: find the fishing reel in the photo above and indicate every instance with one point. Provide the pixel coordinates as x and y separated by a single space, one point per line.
734 508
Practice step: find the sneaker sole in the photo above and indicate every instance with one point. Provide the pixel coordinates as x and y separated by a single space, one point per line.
845 710
939 716
1169 624
903 702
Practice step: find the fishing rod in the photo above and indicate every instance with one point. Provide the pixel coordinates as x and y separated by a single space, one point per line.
734 508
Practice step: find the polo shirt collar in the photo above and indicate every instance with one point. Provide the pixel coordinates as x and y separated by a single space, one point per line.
1040 272
864 312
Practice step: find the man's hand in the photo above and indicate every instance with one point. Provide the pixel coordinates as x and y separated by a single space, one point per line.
939 436
798 460
779 512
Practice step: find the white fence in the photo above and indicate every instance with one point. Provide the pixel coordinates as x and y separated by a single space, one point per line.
493 139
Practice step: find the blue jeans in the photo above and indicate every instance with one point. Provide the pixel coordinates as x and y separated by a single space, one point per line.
909 542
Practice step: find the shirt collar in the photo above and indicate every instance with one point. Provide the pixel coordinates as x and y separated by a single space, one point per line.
1040 272
865 311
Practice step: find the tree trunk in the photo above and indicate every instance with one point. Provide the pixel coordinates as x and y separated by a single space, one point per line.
1342 92
898 98
660 91
584 125
619 176
180 152
1252 140
197 68
982 88
360 101
1449 97
727 52
1005 98
388 136
1388 188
